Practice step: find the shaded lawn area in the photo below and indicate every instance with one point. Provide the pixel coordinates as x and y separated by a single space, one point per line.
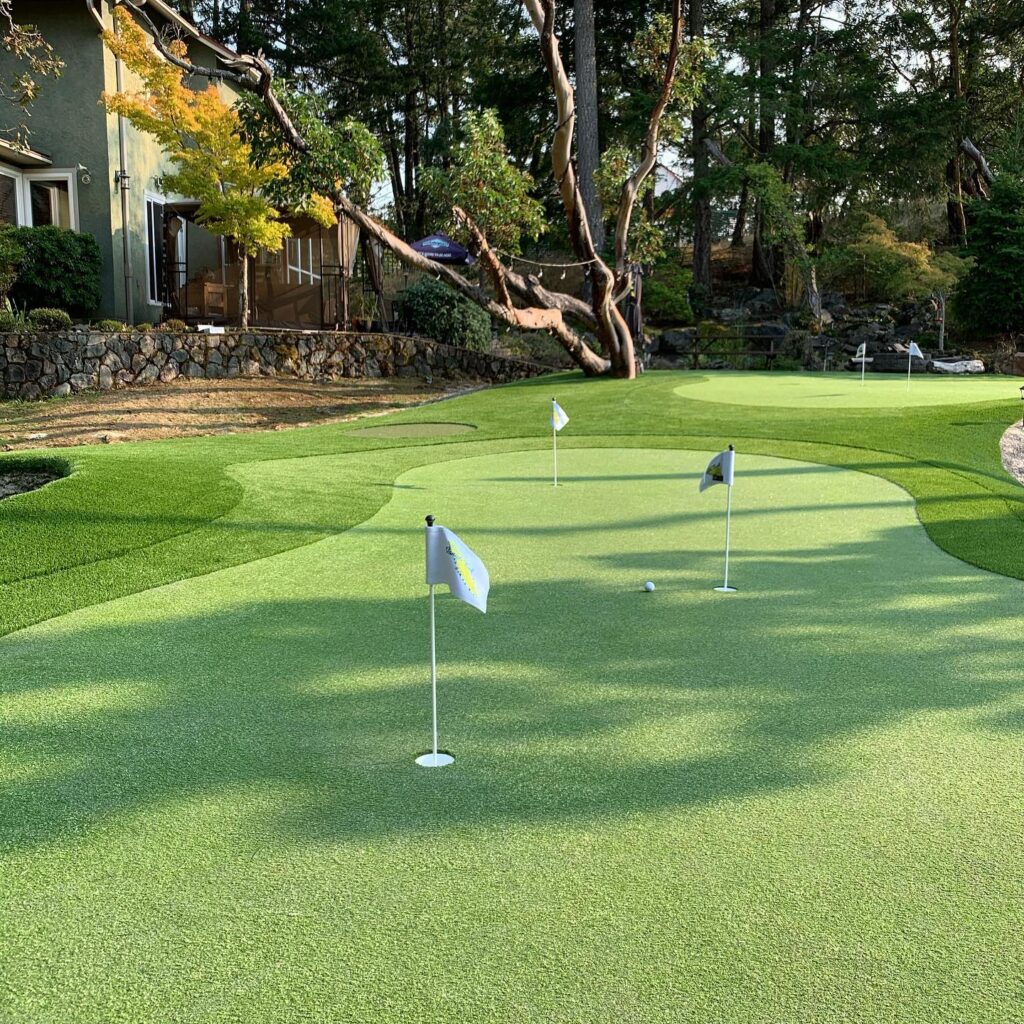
136 516
799 803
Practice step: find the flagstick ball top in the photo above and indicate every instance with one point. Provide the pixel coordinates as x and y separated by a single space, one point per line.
648 586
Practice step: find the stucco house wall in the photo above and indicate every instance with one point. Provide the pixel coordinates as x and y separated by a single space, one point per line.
70 126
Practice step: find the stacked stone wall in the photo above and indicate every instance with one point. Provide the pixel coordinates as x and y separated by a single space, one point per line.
34 365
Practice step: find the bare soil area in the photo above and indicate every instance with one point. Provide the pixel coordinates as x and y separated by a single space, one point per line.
190 408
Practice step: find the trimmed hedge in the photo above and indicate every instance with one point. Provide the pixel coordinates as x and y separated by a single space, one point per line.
61 270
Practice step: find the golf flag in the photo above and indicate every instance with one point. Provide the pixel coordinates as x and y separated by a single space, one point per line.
719 471
451 562
914 350
862 351
558 416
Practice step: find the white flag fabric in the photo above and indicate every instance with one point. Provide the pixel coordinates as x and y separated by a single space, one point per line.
558 416
719 471
453 563
914 350
862 351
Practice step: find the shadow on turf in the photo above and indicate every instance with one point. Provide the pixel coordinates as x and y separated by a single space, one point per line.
690 703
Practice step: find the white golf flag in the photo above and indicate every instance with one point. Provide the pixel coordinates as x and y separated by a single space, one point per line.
451 562
914 350
558 416
719 471
862 351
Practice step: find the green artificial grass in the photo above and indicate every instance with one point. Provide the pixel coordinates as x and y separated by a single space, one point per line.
137 516
800 803
845 390
797 803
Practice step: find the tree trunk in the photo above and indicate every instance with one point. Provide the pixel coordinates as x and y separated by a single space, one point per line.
588 145
763 270
243 288
701 199
739 229
612 330
954 181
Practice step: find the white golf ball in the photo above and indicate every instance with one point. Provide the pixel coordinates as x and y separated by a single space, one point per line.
648 586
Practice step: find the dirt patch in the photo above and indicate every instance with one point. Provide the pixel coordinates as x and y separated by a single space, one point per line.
191 408
12 483
1012 445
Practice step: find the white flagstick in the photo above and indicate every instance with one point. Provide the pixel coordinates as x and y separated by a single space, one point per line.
910 360
435 759
863 363
554 442
725 588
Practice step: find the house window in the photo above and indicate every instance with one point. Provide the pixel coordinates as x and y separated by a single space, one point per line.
8 200
50 202
300 268
155 249
37 198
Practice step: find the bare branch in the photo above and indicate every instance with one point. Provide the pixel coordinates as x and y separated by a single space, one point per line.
631 187
975 154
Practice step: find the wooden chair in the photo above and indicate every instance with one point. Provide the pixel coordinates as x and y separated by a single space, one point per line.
215 299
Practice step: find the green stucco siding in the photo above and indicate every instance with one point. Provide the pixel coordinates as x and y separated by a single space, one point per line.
67 122
70 125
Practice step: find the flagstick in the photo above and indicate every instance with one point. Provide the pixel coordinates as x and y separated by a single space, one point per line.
433 668
725 588
910 360
434 759
863 363
554 446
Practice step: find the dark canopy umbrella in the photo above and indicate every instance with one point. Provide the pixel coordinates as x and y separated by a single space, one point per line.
441 249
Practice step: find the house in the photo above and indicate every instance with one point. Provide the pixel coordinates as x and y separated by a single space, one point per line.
91 171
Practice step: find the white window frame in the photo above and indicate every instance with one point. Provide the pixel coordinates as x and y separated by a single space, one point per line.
152 287
19 197
297 269
66 175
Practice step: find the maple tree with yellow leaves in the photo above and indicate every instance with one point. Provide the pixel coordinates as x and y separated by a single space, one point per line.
200 133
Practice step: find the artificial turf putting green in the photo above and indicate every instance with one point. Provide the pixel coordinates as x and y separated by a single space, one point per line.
798 803
845 391
130 517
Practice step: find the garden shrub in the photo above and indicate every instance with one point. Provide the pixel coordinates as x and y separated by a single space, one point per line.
11 321
535 346
666 296
110 326
49 320
867 261
61 269
440 312
176 326
12 255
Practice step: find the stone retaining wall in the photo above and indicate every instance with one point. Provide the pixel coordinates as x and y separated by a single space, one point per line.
38 365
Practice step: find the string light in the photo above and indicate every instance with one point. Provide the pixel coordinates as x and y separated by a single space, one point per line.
513 259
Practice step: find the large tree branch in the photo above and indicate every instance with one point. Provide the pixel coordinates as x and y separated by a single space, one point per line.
611 328
253 74
649 156
975 154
